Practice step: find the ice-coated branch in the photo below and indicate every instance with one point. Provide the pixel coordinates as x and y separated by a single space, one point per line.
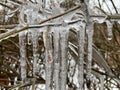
12 32
8 26
114 17
20 28
16 2
4 5
62 14
22 45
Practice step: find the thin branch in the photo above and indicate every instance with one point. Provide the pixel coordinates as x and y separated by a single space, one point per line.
8 26
4 5
12 32
14 71
16 2
108 7
1 84
9 74
117 16
22 28
101 10
57 16
99 3
114 6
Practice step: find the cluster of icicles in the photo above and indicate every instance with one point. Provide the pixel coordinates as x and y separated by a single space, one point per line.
56 59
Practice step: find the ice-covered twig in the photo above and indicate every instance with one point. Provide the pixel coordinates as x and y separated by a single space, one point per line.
62 14
20 28
4 5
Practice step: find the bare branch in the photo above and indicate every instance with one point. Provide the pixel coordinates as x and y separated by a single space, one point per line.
57 16
22 28
4 5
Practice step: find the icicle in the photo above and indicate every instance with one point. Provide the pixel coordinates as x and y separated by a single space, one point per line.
35 51
56 76
89 54
56 43
109 29
49 59
56 57
102 83
32 16
81 40
29 37
27 12
22 45
30 20
63 57
48 77
72 71
47 4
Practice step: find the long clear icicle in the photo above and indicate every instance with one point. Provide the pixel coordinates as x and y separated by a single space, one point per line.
63 57
109 29
81 40
47 4
22 45
35 51
89 50
56 44
101 82
32 16
56 76
56 57
49 60
29 34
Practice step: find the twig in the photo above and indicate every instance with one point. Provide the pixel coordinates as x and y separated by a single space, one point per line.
101 10
8 26
1 84
114 6
108 7
14 71
116 16
10 74
14 31
16 2
57 16
19 29
4 5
